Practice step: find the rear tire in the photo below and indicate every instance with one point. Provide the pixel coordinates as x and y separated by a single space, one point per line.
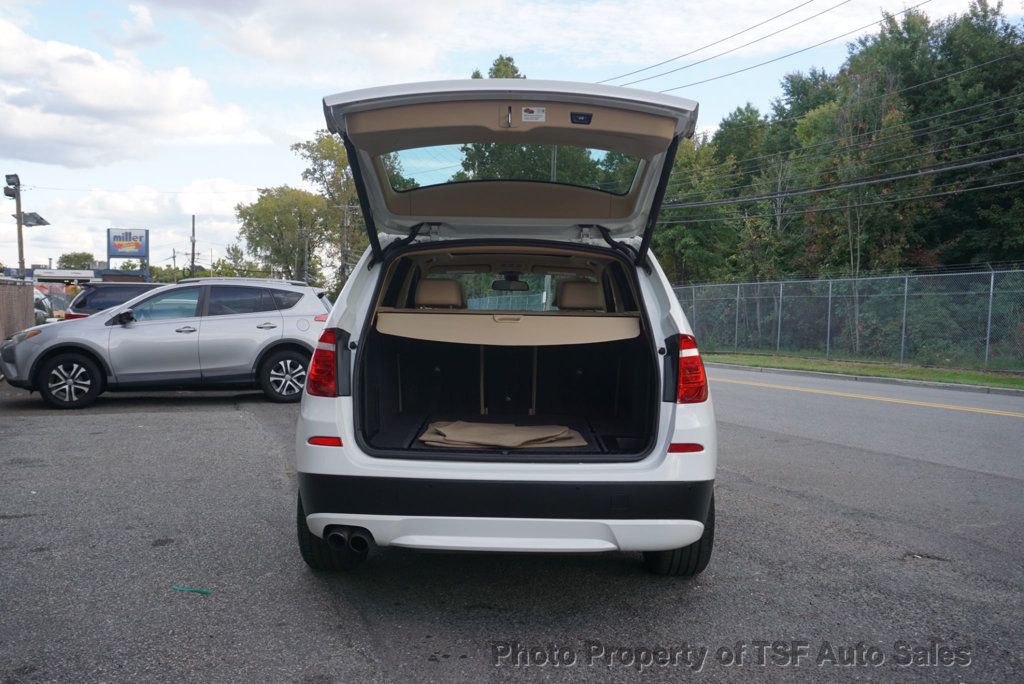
688 561
316 552
283 376
69 381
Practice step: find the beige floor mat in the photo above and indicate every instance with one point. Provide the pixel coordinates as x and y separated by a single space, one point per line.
464 435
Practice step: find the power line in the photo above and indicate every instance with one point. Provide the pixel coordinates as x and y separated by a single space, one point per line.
842 186
161 192
855 139
895 92
738 47
795 52
935 150
931 130
704 47
855 205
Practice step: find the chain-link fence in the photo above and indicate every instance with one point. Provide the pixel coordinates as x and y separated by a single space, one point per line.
950 319
530 302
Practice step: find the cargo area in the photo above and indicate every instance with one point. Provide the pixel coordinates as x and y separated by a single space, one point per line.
602 390
564 347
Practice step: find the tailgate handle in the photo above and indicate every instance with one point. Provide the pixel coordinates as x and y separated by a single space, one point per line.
508 319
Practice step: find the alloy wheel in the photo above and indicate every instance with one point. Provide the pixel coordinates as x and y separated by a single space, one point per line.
288 377
69 382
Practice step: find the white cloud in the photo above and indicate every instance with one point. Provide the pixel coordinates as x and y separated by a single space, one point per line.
136 32
79 223
388 41
63 104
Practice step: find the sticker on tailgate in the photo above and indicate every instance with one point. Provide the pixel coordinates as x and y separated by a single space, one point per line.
534 114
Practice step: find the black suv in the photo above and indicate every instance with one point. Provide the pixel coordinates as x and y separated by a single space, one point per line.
99 296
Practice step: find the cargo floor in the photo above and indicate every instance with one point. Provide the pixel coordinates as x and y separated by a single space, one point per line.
403 431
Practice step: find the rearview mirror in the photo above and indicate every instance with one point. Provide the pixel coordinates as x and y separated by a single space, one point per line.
510 285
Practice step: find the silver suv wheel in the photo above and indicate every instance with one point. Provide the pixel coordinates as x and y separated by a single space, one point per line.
282 375
69 381
288 377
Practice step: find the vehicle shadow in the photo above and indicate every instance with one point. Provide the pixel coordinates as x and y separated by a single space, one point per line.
497 591
23 402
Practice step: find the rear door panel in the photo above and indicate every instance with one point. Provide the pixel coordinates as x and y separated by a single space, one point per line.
240 322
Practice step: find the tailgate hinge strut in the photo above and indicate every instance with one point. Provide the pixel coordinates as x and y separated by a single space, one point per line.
623 248
414 232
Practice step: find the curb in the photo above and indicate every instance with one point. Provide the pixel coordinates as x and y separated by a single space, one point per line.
980 389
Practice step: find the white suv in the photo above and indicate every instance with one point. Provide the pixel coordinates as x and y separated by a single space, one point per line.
508 369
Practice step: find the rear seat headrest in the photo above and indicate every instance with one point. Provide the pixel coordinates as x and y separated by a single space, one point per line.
580 294
440 294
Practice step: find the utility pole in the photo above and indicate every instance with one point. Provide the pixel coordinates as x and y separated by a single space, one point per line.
193 267
305 255
13 190
345 245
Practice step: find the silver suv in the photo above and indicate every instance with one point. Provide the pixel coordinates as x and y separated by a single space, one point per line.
201 333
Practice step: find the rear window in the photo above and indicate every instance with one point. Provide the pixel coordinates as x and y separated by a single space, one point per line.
611 172
100 298
285 299
229 300
539 293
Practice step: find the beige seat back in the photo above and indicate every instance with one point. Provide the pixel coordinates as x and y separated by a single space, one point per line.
579 295
439 294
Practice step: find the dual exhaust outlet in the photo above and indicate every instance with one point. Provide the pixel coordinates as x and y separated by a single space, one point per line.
354 539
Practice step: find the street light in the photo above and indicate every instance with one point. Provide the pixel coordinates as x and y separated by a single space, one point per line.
12 189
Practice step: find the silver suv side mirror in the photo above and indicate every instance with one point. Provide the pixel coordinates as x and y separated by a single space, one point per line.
126 316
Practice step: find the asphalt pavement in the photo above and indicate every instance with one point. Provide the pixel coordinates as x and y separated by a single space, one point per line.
855 521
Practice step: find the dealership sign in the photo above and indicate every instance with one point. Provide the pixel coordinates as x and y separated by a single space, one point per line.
127 242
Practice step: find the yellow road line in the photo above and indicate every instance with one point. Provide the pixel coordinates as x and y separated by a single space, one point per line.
871 397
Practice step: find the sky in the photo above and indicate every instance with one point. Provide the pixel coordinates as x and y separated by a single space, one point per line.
138 115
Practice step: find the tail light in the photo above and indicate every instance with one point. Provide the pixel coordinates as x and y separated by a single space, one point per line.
326 441
322 380
692 386
68 316
320 318
684 448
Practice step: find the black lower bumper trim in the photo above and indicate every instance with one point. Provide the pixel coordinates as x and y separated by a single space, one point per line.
504 499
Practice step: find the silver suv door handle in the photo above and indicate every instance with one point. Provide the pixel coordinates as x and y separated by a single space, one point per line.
186 329
266 326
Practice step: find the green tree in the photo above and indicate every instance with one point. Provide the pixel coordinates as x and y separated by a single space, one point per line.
284 231
502 67
740 132
697 244
129 265
505 161
327 168
75 260
234 264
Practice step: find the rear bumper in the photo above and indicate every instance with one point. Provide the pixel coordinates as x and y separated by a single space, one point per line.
510 515
517 534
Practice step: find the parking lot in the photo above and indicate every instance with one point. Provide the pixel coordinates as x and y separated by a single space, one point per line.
848 512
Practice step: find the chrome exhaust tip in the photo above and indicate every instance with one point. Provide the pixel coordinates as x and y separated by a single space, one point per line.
337 539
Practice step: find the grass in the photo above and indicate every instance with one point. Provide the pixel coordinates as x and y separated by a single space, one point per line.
881 370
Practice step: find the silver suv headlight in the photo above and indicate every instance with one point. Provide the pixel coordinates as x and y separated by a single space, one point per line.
24 335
